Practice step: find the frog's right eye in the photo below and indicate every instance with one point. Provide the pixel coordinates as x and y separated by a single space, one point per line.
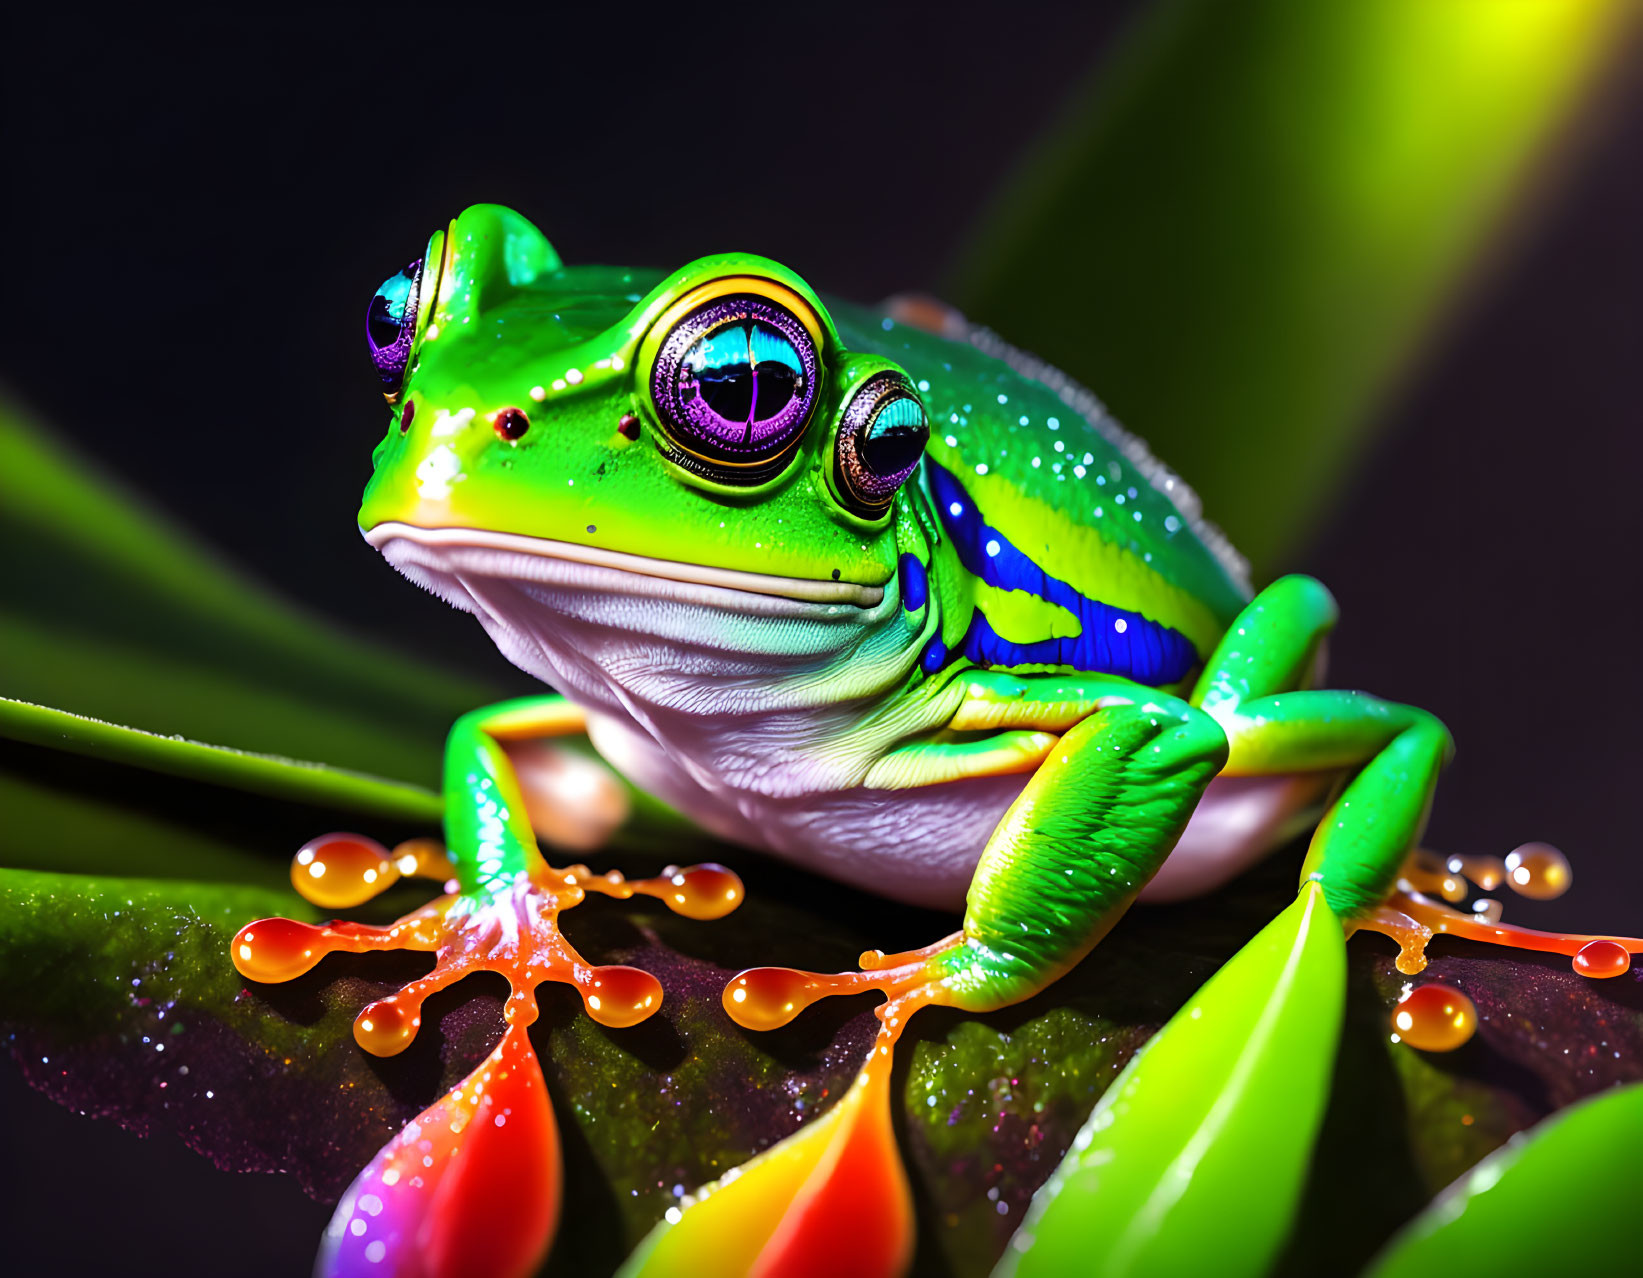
881 438
390 325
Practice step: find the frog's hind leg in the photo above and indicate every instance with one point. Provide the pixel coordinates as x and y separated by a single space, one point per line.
1365 851
1158 1178
1162 1166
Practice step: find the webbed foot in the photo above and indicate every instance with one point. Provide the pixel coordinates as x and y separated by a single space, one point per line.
474 1180
833 1197
1412 915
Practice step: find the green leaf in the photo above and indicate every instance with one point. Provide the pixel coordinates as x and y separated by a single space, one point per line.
1159 1178
1245 227
274 1080
269 775
114 613
97 798
1573 1177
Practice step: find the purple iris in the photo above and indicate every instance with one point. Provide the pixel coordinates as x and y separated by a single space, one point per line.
735 381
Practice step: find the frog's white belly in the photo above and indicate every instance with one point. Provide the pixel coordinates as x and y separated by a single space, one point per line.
921 845
725 705
918 846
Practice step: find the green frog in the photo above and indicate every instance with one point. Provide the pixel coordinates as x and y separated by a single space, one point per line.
872 591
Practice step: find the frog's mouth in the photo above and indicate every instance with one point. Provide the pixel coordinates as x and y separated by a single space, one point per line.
647 639
539 558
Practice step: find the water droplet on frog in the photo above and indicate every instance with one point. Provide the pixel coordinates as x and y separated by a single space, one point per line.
1435 1018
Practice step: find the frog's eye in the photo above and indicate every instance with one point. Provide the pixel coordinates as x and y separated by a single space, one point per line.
390 325
733 384
881 437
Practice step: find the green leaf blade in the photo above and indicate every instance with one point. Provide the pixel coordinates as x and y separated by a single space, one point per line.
1243 232
1159 1180
1573 1178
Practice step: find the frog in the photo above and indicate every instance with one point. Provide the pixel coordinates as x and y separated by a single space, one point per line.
866 589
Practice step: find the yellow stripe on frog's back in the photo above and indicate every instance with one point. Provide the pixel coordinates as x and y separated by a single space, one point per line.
1024 618
1085 559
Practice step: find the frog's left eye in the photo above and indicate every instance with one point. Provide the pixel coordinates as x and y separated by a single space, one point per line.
734 383
390 325
882 434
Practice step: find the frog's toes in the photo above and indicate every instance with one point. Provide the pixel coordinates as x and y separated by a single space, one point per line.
512 930
1534 870
1411 915
705 891
765 998
473 1184
278 949
337 871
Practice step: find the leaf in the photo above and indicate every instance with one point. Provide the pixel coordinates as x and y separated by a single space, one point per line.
1575 1175
1243 230
114 613
97 798
1159 1178
985 1106
256 773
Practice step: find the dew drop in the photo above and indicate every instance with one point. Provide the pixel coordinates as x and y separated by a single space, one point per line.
1435 1018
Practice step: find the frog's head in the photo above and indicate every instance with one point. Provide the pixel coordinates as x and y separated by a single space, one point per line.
567 440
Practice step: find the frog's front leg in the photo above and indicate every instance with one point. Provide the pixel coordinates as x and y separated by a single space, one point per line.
1102 810
487 1152
1117 769
509 754
503 899
1255 686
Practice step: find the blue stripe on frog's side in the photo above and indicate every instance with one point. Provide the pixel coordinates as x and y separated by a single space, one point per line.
1110 640
915 583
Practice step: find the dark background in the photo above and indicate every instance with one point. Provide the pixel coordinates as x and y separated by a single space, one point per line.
196 215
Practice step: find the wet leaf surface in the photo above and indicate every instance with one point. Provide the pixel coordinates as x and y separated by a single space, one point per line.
120 1002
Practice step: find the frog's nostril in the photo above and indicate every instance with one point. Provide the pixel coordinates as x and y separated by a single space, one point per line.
406 414
510 423
628 426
